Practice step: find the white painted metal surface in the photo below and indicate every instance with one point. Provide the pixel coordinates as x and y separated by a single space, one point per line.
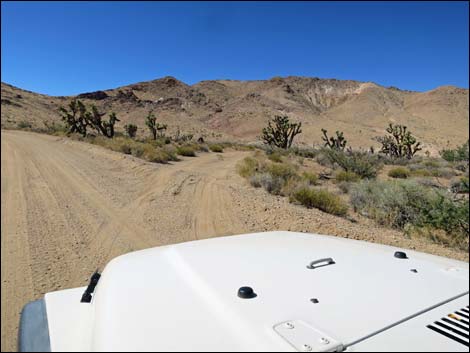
70 322
184 297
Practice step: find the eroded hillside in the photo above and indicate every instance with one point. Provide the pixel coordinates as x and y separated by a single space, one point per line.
228 109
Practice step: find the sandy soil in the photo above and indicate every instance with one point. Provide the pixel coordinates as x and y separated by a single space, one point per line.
69 207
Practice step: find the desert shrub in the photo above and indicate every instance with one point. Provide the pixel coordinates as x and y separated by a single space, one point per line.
255 180
432 167
216 148
276 178
158 142
293 184
390 203
403 161
187 151
204 148
24 124
275 157
421 173
448 215
306 152
53 127
126 148
170 150
430 183
283 171
443 172
407 203
460 186
461 166
137 150
131 130
432 163
321 199
399 172
270 183
364 164
248 167
461 153
310 178
344 176
344 186
156 155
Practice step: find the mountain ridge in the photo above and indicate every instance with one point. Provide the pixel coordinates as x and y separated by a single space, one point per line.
238 109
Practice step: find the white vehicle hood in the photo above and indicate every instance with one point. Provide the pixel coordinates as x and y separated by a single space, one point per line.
184 297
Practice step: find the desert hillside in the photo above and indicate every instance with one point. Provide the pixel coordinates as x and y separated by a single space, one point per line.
228 109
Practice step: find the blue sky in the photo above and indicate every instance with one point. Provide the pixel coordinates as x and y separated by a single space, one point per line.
63 48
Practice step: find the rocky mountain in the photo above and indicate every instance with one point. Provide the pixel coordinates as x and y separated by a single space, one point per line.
238 110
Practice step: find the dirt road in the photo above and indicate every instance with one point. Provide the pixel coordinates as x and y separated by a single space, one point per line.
69 207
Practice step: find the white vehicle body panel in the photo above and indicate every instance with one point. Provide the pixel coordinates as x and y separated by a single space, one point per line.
184 297
401 337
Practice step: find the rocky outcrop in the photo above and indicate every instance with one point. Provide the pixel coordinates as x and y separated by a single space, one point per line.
97 95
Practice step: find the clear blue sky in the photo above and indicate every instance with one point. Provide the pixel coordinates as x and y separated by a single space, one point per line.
62 48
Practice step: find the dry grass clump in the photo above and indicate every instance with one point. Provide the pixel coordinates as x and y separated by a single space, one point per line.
216 148
187 151
283 178
344 176
405 204
399 172
321 199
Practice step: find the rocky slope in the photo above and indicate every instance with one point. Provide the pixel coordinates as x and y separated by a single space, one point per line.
228 109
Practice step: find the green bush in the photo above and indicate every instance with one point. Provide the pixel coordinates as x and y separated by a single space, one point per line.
126 148
401 203
399 172
364 164
344 176
283 171
275 157
432 167
216 148
53 127
460 186
310 178
248 167
321 199
390 203
170 150
156 155
187 151
461 153
24 124
304 152
421 173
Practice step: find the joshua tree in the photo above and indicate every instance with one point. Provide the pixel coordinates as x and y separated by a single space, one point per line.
282 133
161 128
399 143
109 125
338 143
75 118
131 130
151 122
95 119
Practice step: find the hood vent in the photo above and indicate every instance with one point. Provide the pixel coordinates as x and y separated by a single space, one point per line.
454 326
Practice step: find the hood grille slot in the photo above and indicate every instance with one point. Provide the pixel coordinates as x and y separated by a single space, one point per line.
454 326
